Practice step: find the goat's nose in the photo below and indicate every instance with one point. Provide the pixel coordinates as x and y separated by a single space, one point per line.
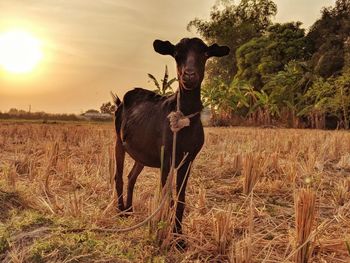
189 74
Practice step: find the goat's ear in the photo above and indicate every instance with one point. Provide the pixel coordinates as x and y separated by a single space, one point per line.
163 47
217 51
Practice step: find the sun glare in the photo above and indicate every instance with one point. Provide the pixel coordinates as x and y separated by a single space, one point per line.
20 52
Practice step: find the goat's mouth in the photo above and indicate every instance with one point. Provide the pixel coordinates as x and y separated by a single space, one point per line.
189 84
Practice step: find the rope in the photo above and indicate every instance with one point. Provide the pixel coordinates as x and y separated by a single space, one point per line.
177 119
121 230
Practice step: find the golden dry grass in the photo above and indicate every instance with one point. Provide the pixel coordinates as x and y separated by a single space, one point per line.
240 197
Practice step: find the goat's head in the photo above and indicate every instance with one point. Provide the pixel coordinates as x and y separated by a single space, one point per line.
191 55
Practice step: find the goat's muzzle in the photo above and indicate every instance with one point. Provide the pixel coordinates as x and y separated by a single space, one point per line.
189 83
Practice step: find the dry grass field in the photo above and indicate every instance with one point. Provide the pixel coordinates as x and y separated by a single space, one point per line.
254 195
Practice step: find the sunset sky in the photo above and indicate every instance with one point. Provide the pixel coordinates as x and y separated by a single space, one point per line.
93 47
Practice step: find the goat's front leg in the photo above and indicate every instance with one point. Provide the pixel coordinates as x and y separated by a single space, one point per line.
165 170
165 174
181 183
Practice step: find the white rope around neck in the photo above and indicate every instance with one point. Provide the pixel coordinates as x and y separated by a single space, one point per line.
177 119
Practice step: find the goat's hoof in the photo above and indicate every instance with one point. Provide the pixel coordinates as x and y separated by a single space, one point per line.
123 215
121 207
126 212
128 209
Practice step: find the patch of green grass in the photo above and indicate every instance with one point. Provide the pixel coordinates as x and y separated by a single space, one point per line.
39 249
58 244
71 245
4 236
9 201
27 220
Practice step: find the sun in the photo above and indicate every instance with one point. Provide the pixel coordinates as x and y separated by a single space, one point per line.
20 52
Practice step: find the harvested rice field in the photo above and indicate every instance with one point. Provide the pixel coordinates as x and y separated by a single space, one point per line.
254 195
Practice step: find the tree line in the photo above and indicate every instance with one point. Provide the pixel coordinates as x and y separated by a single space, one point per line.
277 73
26 115
106 114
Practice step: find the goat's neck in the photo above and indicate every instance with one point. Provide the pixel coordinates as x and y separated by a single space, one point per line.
190 100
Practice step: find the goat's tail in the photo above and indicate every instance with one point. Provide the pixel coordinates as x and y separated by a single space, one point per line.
116 99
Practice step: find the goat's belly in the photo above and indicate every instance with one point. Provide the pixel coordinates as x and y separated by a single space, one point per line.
146 155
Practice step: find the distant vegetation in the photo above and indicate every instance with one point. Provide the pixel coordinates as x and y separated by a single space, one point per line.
89 115
163 87
25 115
278 74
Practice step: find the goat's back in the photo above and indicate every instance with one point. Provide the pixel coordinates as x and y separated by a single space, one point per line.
141 122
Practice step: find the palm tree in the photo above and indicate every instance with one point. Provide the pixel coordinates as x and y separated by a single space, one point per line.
165 89
286 90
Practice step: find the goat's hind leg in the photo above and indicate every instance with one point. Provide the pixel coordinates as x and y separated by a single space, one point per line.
119 156
132 177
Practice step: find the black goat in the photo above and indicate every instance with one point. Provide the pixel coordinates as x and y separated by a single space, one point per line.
143 128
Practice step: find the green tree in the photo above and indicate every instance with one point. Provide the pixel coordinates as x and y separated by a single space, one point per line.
266 55
342 97
318 101
108 108
328 97
233 25
225 100
327 39
287 87
256 106
164 88
92 111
